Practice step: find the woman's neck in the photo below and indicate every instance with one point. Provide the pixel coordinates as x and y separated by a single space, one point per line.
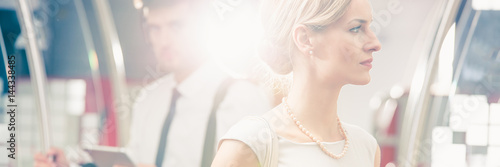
315 106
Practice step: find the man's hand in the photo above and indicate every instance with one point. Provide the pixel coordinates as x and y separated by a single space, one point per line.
54 158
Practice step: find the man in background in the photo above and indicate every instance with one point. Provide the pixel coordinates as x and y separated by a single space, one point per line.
182 114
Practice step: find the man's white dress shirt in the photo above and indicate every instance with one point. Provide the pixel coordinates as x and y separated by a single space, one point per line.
185 140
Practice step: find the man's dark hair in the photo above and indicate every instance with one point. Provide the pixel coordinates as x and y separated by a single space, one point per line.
151 4
200 7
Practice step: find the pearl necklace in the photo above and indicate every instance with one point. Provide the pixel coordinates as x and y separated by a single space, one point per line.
316 140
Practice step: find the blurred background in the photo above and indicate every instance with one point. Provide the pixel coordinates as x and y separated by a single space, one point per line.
433 99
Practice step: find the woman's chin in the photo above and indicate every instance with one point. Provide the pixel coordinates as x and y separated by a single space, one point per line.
362 81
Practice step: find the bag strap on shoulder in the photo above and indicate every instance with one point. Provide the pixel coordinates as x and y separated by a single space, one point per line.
272 154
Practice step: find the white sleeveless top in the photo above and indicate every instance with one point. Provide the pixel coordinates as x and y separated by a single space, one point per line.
256 133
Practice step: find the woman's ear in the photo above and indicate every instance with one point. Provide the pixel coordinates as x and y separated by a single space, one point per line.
302 38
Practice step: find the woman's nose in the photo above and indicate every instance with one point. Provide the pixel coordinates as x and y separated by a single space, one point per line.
373 44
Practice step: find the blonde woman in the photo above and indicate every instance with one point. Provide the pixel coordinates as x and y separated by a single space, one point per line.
326 44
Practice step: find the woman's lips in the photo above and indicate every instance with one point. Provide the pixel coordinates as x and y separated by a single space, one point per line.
367 63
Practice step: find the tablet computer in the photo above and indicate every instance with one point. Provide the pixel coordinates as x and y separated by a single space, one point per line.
104 156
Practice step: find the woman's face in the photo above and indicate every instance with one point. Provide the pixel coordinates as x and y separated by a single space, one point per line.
343 50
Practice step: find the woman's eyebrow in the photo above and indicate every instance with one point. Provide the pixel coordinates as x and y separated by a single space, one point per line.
359 20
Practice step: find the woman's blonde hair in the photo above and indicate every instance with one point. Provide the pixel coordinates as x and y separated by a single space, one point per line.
279 17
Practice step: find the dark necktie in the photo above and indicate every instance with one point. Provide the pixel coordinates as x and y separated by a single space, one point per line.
166 126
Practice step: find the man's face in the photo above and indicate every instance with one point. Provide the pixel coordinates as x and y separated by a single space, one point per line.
171 33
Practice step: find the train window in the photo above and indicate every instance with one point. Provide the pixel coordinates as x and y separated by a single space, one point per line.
458 116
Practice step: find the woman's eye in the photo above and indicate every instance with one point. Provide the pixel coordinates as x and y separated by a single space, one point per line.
355 29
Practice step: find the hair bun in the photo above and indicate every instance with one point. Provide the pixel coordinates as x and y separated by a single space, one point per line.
276 57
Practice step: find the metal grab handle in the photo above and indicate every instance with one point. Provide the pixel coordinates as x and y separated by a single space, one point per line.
416 112
37 70
115 62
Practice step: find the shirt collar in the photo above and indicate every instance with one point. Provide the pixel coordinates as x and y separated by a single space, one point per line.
206 74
